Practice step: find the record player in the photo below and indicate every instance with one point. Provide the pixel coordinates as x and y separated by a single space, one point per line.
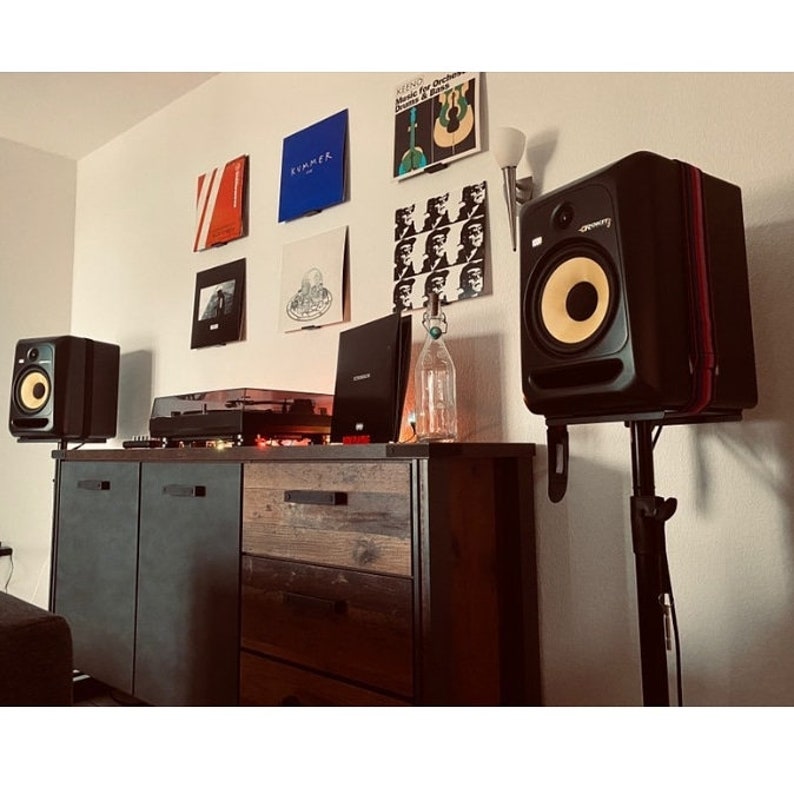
241 417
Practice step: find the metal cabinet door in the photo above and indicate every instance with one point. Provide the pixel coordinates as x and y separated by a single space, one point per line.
95 566
187 646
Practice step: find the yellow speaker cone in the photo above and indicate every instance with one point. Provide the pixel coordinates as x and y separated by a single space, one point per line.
575 300
34 391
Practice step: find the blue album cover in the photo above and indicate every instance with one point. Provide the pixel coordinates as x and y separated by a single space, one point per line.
313 168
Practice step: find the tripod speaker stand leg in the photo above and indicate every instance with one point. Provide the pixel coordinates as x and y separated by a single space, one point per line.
648 515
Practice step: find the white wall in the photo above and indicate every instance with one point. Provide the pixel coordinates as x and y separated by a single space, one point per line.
730 542
37 195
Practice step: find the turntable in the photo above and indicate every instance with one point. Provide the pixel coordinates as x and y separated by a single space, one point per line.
241 417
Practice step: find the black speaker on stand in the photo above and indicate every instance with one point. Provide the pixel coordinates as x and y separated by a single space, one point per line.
635 308
63 389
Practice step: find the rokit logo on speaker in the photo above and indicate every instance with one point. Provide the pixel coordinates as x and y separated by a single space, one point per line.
603 223
562 219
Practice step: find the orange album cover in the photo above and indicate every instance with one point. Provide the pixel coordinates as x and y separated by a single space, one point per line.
220 204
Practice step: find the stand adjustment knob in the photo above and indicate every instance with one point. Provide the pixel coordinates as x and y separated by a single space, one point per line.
665 510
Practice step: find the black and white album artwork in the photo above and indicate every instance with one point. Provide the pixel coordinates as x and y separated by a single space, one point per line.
312 281
440 246
218 305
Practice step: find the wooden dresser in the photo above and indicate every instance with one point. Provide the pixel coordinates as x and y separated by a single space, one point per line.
368 575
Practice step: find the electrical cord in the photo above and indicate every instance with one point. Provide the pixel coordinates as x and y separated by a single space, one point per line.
676 638
412 439
656 436
10 573
669 592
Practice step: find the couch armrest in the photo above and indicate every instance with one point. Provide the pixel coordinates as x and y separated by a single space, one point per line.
35 655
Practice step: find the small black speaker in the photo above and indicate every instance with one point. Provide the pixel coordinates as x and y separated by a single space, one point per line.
635 299
65 388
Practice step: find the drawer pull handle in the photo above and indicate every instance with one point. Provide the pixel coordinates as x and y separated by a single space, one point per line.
94 485
325 606
184 490
316 497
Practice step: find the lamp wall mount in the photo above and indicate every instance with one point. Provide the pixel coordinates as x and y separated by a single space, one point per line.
525 187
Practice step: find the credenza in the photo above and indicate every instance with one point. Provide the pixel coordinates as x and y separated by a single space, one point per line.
382 574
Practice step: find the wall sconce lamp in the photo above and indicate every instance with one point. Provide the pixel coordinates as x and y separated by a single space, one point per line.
507 146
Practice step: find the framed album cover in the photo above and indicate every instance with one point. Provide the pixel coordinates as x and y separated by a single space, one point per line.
441 245
218 305
221 204
312 281
436 121
313 168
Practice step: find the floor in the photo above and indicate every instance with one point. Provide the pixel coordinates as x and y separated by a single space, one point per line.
89 692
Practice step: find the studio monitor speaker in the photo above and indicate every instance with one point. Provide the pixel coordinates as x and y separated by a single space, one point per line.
635 300
64 388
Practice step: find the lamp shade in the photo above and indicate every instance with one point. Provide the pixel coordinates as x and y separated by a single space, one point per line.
507 145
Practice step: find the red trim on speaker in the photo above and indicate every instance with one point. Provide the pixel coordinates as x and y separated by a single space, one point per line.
703 349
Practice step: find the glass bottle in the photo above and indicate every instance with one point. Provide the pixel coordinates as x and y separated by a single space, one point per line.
434 387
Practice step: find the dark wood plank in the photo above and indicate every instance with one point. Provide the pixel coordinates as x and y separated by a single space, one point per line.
264 682
370 529
328 453
474 537
353 625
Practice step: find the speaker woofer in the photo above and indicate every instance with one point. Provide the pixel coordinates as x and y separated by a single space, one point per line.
571 301
33 391
574 301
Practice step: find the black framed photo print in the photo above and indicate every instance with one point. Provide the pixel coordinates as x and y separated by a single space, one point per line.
218 305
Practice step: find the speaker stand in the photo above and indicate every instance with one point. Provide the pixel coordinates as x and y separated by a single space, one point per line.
654 593
56 500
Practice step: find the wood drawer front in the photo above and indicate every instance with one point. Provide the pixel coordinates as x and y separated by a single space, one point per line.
369 528
264 682
358 626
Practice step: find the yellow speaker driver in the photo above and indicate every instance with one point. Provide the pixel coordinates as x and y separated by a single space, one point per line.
575 300
34 391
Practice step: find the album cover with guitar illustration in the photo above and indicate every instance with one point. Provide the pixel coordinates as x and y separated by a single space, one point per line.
436 121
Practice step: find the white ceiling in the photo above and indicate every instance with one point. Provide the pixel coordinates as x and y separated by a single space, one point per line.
73 113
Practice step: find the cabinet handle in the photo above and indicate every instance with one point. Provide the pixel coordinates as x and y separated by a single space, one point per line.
94 485
316 497
185 490
315 603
